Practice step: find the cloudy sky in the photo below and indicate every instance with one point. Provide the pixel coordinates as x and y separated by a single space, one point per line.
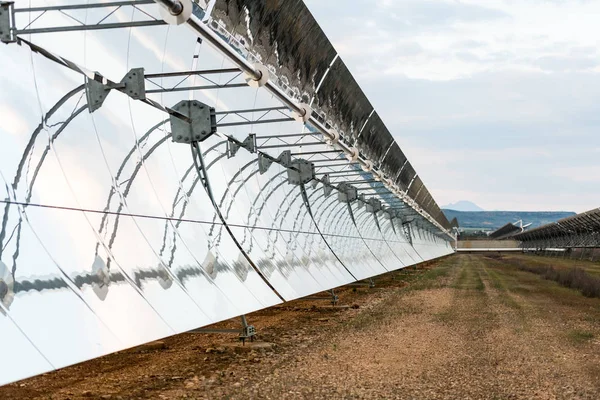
495 101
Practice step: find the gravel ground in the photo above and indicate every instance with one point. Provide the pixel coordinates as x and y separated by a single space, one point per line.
466 327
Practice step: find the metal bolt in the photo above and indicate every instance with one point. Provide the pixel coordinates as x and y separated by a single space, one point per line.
175 7
179 137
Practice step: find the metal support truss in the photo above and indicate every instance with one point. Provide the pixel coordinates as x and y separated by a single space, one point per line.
301 110
166 86
134 85
72 23
579 231
224 117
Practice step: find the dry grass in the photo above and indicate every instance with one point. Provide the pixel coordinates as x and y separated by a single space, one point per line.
574 278
464 327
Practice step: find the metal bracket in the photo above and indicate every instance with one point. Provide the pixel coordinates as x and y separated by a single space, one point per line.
390 214
407 233
249 144
303 115
265 161
300 172
176 12
327 188
134 84
95 92
314 184
7 24
285 158
248 332
203 122
373 205
261 80
347 193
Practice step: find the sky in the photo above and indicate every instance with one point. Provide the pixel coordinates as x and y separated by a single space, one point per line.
495 101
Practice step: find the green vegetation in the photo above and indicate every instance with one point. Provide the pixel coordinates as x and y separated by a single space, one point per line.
580 336
574 278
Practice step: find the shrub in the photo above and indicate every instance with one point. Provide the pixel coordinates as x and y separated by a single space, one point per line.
574 278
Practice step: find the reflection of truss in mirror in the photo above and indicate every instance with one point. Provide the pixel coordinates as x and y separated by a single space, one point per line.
194 191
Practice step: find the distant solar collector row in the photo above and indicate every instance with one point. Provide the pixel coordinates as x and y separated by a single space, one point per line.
581 230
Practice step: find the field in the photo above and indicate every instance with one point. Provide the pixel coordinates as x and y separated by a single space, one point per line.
468 326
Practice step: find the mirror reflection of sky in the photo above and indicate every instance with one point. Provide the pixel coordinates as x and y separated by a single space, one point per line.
89 283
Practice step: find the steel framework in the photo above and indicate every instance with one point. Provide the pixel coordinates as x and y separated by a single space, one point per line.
205 212
579 231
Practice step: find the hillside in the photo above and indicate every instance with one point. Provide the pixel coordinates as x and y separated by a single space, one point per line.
496 219
463 205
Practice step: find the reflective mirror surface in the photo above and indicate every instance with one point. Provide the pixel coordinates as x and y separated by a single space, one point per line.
115 233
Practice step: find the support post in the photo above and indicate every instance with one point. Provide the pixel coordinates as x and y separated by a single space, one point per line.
246 331
367 282
332 297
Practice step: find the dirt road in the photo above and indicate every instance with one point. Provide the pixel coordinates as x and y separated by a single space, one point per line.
466 327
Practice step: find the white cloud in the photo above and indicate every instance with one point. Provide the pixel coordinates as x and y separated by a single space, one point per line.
494 102
12 121
508 35
585 174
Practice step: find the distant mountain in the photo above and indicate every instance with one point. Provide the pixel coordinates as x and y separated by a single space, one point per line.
496 219
463 205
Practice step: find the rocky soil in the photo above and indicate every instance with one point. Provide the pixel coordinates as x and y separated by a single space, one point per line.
466 327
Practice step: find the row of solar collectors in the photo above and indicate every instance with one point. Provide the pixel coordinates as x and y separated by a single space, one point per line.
108 238
308 68
580 224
